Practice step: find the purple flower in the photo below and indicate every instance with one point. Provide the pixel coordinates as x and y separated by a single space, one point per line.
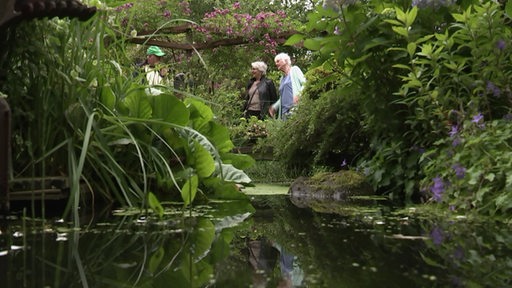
479 120
456 141
454 131
437 235
458 253
492 88
344 163
460 171
476 119
167 13
501 44
507 117
437 188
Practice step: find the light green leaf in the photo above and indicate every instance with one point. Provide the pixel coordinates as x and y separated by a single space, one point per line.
508 9
155 205
411 48
400 15
189 190
241 161
200 113
402 66
108 98
203 161
294 39
411 16
313 44
218 135
231 174
170 109
138 104
490 177
400 30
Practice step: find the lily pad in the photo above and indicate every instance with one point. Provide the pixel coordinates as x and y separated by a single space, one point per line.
266 189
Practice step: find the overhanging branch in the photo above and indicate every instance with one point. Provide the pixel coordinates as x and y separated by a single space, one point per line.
279 38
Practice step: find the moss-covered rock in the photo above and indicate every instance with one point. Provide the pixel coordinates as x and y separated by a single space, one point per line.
337 185
329 192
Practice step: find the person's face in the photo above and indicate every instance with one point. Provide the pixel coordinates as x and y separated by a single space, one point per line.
256 73
153 59
280 64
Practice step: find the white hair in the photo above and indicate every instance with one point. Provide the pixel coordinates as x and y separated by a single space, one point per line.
283 56
261 66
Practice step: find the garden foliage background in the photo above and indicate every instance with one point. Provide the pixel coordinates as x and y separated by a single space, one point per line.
416 95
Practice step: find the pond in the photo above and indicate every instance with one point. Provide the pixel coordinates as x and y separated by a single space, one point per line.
267 241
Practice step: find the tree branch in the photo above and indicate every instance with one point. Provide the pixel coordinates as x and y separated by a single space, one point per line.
280 38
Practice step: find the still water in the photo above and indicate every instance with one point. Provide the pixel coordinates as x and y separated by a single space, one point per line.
267 241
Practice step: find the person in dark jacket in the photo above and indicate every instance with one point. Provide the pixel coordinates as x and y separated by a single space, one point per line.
260 92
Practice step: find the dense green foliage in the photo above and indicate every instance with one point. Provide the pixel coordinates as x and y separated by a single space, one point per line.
417 97
78 112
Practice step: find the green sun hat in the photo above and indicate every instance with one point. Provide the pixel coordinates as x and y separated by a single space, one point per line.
154 50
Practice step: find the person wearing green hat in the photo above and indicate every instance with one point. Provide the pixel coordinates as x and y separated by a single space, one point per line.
155 73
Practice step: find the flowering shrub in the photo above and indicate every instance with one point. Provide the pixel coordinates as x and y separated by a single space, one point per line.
431 93
249 130
221 23
227 23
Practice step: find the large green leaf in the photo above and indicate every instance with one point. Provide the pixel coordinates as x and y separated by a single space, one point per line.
224 190
241 161
200 113
231 174
294 39
313 44
107 97
138 105
203 161
171 109
189 133
218 135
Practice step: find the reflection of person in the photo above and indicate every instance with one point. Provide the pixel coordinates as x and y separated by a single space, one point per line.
263 255
290 87
260 93
155 73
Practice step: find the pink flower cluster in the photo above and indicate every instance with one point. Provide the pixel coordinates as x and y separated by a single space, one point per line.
124 6
225 22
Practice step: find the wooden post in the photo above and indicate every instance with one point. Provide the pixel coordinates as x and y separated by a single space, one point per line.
5 151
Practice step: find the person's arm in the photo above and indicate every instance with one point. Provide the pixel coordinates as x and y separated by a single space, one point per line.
274 108
298 81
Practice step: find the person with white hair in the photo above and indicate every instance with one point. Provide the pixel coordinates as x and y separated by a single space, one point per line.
290 87
260 92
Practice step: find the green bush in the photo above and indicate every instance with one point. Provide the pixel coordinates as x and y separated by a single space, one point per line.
408 79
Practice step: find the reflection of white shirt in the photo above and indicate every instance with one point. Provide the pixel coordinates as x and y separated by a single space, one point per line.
153 76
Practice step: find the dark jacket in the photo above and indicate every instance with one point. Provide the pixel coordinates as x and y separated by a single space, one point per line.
267 92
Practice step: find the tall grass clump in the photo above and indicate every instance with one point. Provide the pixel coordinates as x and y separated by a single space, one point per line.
79 112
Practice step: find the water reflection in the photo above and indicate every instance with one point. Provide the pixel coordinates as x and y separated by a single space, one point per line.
268 242
263 255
